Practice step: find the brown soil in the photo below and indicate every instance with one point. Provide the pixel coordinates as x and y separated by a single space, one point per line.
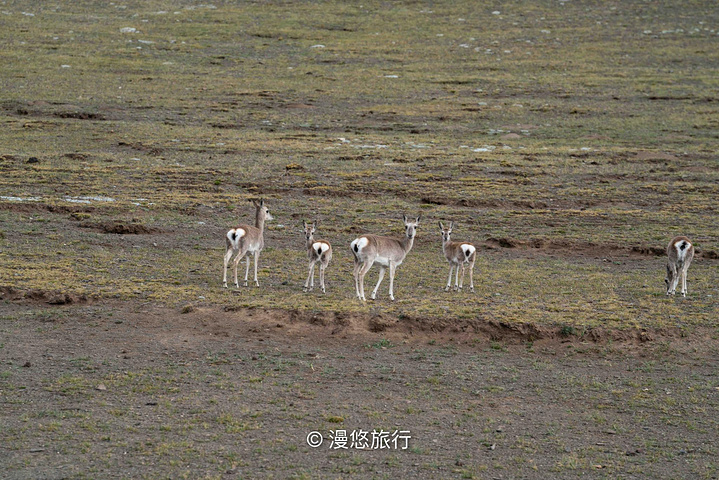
234 392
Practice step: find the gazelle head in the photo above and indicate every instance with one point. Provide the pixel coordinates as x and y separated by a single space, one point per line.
262 210
411 226
310 229
446 232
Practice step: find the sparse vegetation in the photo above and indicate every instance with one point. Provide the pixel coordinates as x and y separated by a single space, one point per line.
569 140
533 151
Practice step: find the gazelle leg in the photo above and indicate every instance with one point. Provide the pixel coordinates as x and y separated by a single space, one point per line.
461 277
449 279
392 269
309 275
312 280
356 277
228 256
381 276
363 271
312 277
237 261
471 276
456 277
322 277
247 269
257 258
684 282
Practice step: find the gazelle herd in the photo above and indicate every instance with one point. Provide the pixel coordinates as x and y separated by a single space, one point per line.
389 253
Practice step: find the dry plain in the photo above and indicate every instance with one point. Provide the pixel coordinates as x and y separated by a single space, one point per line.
568 140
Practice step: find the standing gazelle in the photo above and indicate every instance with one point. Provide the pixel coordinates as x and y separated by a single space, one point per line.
384 251
458 254
317 251
245 239
681 253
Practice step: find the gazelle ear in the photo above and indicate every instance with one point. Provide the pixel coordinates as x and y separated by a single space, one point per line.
451 225
254 202
262 202
304 224
441 227
404 218
418 218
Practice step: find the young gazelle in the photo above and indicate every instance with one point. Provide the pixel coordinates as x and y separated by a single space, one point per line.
385 251
246 239
458 254
317 251
681 253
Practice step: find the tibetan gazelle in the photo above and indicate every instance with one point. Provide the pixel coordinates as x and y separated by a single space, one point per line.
317 251
384 251
681 253
245 239
458 254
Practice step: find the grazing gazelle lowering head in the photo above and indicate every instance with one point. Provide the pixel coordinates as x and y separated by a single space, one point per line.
317 251
246 239
458 254
384 251
681 253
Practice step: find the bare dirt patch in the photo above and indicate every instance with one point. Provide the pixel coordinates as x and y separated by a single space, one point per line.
42 296
122 357
237 392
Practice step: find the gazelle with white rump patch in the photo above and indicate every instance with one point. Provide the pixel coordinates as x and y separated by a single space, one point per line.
458 254
317 251
681 253
386 252
246 239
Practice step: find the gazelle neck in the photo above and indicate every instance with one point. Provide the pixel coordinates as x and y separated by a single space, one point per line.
407 243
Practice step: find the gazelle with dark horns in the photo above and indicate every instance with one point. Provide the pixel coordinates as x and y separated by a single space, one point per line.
458 254
386 252
246 239
317 251
681 253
